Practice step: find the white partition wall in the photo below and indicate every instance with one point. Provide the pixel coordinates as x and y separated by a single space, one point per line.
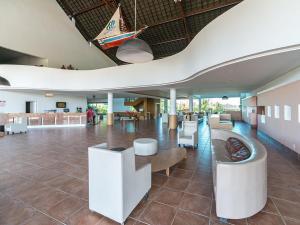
110 102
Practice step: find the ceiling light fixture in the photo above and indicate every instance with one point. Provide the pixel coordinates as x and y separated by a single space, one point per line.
49 94
135 50
4 82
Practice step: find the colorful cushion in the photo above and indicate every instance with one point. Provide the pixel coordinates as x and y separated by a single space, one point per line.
237 150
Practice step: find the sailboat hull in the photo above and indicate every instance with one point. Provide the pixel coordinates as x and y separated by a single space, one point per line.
116 40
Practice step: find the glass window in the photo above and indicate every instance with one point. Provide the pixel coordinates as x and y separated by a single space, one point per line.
276 112
263 119
269 108
287 112
299 113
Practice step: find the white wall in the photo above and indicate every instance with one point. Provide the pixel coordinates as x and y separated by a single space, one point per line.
28 60
283 91
15 102
41 28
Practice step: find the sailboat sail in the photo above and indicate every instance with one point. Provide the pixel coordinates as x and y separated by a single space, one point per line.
115 32
112 28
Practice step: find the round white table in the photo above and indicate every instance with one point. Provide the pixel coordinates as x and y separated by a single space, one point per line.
145 146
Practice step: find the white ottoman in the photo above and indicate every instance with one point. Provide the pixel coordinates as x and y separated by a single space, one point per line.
145 146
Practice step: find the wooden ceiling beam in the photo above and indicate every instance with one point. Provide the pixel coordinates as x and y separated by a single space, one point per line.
169 41
187 32
200 11
98 5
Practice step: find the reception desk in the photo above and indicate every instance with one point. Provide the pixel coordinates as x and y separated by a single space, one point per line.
39 120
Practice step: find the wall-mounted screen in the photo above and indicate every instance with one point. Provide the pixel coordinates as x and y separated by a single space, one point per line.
61 105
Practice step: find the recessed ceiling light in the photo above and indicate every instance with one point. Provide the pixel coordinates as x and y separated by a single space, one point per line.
49 94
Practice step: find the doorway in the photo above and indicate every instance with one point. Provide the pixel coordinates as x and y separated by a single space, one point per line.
31 107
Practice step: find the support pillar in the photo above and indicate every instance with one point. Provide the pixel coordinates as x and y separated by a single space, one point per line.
110 114
172 114
191 104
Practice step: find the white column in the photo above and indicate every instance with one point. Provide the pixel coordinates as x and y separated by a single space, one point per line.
199 104
110 105
172 101
191 104
109 102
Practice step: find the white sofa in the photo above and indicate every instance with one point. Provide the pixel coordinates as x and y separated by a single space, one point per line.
240 187
188 135
19 126
215 122
116 184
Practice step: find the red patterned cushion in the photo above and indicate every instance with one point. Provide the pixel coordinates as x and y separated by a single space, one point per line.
237 149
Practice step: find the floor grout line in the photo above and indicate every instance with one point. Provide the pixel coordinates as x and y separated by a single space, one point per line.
281 217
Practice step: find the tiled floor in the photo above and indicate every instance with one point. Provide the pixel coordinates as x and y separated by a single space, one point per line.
44 179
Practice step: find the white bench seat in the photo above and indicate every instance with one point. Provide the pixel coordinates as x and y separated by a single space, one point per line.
240 187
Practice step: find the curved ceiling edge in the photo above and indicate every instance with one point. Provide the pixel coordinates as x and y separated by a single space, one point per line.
225 40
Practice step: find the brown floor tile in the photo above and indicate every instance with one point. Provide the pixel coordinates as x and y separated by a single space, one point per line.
107 221
158 214
73 186
189 218
48 199
32 192
136 213
263 218
283 193
270 207
288 209
176 183
180 173
200 189
169 197
41 219
33 155
65 208
9 180
84 217
153 191
13 212
292 222
58 181
196 204
44 175
158 179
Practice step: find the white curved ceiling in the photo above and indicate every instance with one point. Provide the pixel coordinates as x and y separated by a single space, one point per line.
247 46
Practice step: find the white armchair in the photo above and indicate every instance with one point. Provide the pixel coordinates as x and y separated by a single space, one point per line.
188 135
116 184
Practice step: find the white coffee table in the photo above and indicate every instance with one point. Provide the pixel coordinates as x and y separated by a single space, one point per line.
145 146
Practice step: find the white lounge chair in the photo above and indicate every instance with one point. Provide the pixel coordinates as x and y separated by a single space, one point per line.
116 184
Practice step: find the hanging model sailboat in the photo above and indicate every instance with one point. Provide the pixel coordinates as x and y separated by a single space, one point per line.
115 32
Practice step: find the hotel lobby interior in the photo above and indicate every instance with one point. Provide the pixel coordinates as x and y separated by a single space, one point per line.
149 112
